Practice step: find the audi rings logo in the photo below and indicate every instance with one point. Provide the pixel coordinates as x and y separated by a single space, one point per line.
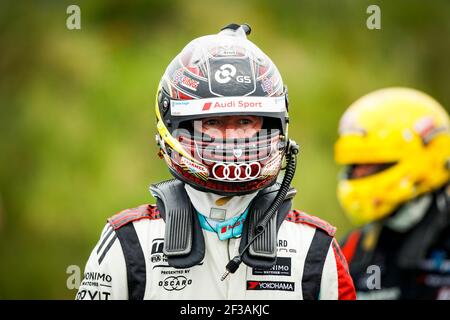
175 283
225 73
236 171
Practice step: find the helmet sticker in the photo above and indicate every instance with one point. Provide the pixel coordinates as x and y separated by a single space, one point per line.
236 171
424 126
225 73
349 124
196 169
231 76
228 105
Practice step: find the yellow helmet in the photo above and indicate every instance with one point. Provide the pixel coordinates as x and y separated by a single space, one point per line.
405 130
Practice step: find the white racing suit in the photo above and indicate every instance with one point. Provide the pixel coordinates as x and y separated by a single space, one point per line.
128 261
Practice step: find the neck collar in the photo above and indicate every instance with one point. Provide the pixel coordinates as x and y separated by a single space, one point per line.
218 207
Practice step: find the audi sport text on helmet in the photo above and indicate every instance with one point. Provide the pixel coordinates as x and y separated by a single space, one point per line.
222 75
407 133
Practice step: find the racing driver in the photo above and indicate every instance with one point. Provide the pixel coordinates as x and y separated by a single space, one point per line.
395 146
223 228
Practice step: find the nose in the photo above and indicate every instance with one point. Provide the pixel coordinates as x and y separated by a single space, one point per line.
231 131
231 134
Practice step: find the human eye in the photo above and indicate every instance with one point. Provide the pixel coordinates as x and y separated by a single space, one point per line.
211 122
245 121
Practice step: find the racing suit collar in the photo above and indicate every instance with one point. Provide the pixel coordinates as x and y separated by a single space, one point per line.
218 207
231 228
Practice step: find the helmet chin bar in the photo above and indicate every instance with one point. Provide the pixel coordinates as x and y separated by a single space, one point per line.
225 193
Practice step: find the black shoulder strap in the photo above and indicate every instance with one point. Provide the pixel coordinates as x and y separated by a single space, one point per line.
184 244
135 261
313 268
263 252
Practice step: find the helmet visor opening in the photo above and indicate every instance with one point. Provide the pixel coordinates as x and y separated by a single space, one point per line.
210 149
362 170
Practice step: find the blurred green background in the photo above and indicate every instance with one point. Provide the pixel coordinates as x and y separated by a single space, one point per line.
76 107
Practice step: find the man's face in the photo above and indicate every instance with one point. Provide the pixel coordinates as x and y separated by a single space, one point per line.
230 127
